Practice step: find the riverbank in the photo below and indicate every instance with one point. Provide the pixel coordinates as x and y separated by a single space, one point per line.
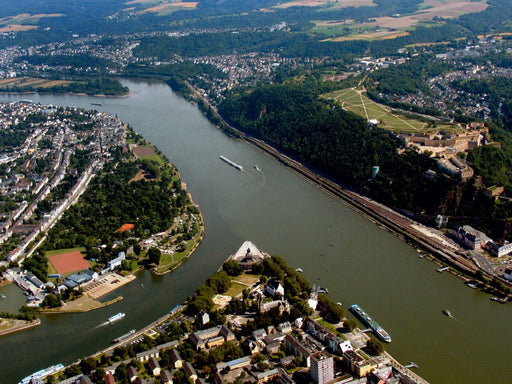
8 326
82 304
419 236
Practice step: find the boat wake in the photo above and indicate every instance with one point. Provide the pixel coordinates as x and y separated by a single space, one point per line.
102 324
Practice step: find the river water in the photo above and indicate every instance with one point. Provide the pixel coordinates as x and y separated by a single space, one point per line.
282 214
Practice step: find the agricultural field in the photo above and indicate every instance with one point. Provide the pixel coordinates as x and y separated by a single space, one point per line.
163 7
431 13
356 101
30 83
23 22
326 3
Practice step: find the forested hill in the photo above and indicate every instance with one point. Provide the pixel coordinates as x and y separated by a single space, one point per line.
310 129
293 119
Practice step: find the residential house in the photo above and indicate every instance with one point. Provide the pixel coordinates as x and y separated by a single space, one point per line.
190 372
144 356
165 377
109 379
274 286
154 366
113 264
295 347
176 358
132 373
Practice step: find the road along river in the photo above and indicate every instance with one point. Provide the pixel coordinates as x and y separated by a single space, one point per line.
282 214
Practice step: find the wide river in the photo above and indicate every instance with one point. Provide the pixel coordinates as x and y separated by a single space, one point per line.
282 214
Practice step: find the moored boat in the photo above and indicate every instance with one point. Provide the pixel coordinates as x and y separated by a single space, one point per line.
367 320
123 337
39 375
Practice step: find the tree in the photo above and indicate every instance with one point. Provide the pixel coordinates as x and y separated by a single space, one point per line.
375 347
350 324
137 249
121 373
154 255
232 268
52 301
220 282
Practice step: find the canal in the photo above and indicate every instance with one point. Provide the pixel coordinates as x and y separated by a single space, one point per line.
282 214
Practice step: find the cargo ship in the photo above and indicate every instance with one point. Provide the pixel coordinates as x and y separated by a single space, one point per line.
117 316
232 163
123 337
367 320
39 375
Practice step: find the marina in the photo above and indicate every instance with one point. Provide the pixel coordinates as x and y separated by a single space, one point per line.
367 320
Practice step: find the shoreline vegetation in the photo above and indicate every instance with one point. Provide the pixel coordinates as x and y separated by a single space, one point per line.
105 87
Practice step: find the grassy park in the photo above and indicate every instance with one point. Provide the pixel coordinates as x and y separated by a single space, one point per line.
356 101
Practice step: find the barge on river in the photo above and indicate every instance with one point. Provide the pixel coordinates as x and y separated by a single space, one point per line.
367 320
123 337
232 163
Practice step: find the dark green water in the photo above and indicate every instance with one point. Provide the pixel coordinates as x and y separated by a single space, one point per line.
281 213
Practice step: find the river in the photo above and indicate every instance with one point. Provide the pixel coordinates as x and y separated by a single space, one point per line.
282 214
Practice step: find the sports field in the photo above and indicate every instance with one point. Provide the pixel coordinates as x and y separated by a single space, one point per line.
356 101
68 261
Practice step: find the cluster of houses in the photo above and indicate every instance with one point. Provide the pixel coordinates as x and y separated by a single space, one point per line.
477 240
315 348
269 353
152 359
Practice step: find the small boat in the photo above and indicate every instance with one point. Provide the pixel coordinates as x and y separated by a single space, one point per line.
471 285
323 290
299 270
447 312
499 299
117 316
2 296
256 167
98 104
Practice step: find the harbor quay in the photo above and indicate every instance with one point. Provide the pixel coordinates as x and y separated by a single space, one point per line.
277 349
